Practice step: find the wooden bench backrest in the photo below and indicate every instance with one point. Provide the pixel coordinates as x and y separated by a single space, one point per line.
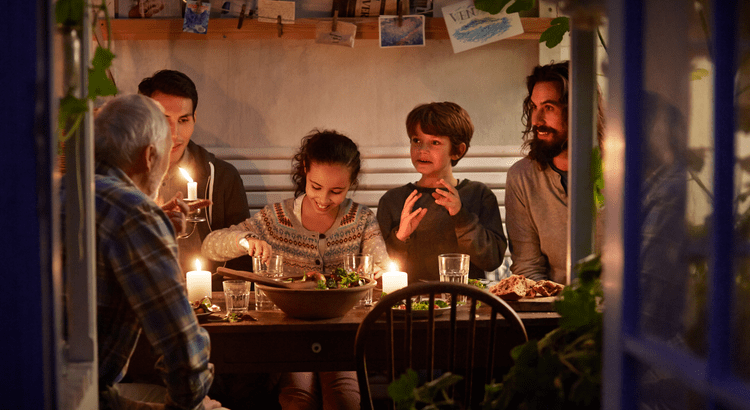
265 172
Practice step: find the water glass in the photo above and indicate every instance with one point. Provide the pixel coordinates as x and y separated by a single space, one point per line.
362 264
273 268
454 267
237 295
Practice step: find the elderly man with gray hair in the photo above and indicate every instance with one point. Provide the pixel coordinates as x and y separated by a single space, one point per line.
139 282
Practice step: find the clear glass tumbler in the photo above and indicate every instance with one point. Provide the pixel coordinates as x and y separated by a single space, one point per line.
237 295
454 267
273 268
361 263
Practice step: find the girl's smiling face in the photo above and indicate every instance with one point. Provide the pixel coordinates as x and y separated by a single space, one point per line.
326 187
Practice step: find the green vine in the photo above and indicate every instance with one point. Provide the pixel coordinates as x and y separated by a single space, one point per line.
69 14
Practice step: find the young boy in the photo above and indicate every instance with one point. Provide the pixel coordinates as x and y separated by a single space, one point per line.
440 214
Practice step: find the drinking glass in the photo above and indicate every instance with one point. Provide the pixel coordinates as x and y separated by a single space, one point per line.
273 268
236 295
361 263
454 267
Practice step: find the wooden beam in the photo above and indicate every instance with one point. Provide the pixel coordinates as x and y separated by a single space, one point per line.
303 29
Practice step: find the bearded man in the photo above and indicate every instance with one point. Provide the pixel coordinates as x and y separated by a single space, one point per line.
536 192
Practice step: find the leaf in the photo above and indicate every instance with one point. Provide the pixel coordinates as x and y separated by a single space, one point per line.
102 58
69 12
491 6
699 73
69 117
430 391
597 177
554 34
402 389
521 5
99 83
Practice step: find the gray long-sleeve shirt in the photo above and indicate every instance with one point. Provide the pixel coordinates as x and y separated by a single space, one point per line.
476 230
536 217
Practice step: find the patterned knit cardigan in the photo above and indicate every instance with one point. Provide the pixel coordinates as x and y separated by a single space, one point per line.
355 231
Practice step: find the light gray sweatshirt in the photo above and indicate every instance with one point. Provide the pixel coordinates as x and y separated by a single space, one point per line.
536 206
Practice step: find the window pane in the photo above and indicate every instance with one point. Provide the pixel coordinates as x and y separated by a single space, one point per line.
673 210
657 390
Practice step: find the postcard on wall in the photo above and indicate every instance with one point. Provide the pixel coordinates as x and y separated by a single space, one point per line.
270 10
196 17
147 8
342 36
409 33
470 28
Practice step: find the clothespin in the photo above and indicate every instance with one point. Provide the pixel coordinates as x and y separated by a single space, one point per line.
335 24
400 5
200 3
242 16
280 26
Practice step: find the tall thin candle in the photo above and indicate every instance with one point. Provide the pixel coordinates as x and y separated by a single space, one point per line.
192 186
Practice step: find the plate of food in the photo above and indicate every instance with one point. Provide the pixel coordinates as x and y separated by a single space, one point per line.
204 308
420 308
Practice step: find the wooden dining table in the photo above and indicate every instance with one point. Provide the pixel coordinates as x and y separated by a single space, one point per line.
266 341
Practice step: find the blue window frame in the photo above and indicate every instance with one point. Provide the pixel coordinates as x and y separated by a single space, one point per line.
656 366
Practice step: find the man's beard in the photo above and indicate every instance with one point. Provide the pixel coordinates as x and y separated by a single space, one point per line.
544 151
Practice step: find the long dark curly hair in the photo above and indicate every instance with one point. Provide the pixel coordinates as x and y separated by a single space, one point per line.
325 147
557 73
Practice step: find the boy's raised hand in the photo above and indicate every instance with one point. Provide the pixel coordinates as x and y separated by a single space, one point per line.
448 199
410 219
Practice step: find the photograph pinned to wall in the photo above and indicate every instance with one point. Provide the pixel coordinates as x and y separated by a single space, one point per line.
410 33
232 8
343 35
147 8
196 17
471 28
270 10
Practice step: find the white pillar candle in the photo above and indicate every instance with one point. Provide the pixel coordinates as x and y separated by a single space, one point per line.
192 190
393 281
198 283
192 186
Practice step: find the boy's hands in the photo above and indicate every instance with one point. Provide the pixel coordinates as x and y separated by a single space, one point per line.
448 199
410 219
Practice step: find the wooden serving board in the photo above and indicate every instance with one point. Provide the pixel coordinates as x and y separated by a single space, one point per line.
541 304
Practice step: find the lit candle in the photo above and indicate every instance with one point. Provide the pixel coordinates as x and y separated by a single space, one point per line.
394 280
192 187
198 283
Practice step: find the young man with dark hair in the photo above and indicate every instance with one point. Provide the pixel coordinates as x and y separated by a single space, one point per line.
217 180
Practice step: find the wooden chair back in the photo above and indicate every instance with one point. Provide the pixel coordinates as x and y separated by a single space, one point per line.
458 340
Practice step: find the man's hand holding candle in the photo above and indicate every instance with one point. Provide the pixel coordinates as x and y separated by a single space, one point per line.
176 209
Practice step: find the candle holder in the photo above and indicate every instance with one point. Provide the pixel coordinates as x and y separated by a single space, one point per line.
193 217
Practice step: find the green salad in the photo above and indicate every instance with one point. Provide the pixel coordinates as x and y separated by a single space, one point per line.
423 305
339 279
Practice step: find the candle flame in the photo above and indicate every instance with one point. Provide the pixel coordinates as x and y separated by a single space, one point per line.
185 174
393 267
197 262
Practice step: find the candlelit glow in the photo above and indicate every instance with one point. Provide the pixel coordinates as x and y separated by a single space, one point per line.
185 174
192 186
394 280
198 264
